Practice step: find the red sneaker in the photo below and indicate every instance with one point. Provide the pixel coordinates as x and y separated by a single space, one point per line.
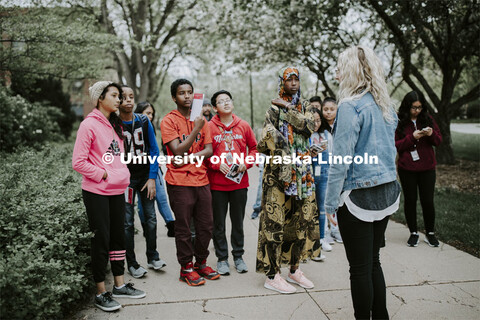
190 276
205 271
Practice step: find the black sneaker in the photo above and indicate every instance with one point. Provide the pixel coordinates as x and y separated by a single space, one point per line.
431 240
413 240
106 303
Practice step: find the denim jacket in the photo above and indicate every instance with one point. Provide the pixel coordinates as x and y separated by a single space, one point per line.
360 129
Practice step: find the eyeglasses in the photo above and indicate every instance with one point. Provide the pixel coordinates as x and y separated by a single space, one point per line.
417 108
224 102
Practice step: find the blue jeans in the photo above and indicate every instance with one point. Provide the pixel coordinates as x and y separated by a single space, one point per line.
162 201
320 190
257 207
150 222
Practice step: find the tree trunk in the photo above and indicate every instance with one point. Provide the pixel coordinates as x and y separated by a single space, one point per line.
444 152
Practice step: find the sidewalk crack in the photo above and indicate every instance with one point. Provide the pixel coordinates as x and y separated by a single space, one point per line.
315 301
204 309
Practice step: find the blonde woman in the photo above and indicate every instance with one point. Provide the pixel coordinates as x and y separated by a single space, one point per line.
363 194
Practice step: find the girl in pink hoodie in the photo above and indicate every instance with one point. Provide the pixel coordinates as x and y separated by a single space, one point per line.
96 156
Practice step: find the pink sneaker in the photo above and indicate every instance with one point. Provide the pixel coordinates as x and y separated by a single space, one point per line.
279 284
300 279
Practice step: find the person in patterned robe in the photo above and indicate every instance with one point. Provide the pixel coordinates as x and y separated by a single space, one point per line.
288 228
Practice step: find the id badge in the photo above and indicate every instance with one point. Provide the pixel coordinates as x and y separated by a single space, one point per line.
317 171
414 154
129 195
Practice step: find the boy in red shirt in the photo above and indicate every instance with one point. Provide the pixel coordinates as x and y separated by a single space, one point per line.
231 136
187 184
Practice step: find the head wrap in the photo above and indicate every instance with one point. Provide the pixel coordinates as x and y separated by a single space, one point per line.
287 73
96 90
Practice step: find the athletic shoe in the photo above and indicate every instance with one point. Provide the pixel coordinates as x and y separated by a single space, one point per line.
431 240
320 257
335 234
205 271
106 303
240 265
171 229
279 284
325 245
223 268
138 272
328 238
255 215
128 291
300 279
156 264
413 240
190 276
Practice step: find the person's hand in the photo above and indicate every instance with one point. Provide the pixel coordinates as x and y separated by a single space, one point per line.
428 131
313 152
151 191
242 167
417 134
224 168
179 164
105 175
199 123
281 103
330 218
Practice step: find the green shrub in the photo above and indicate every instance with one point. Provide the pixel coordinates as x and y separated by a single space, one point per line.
26 124
44 237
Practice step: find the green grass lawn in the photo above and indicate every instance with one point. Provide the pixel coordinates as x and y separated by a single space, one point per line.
457 221
466 146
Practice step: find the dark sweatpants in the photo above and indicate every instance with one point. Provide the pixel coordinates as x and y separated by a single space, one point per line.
106 218
220 201
188 202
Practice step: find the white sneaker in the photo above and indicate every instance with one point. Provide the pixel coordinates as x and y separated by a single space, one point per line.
325 245
337 236
329 239
319 258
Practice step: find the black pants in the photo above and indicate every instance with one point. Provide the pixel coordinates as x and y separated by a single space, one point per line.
220 201
425 182
362 241
106 218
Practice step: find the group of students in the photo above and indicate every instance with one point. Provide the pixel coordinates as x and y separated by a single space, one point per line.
296 197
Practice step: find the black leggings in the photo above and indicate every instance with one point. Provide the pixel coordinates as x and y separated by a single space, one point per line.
362 241
106 219
425 182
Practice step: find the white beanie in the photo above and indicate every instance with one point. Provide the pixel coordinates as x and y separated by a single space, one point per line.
96 90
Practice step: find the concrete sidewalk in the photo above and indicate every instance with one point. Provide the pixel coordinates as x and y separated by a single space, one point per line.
422 283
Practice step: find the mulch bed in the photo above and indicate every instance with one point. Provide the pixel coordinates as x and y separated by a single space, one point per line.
464 176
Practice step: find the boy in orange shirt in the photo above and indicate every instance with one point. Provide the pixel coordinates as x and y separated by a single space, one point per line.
187 184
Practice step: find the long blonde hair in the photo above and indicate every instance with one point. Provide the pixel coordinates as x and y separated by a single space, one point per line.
360 72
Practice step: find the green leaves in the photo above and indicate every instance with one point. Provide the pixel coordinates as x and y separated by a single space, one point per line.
26 124
44 236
